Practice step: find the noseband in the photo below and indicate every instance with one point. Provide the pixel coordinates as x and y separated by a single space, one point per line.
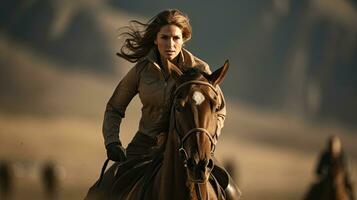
193 131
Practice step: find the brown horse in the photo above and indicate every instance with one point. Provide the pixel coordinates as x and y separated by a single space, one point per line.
332 187
187 159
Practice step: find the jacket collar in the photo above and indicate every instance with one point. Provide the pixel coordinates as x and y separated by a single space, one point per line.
186 59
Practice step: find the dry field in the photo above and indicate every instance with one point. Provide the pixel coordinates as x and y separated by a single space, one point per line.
274 156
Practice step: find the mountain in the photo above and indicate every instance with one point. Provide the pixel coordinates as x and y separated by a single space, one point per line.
287 55
58 57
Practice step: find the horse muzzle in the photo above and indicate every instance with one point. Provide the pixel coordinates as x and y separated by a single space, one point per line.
199 172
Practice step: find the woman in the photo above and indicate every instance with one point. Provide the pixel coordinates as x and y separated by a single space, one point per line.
331 155
161 42
152 49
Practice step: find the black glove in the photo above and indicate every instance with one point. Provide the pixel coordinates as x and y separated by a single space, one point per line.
116 152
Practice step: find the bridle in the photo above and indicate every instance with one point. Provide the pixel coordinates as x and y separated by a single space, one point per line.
192 131
188 134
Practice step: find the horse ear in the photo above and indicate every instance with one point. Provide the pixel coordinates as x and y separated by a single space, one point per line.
217 76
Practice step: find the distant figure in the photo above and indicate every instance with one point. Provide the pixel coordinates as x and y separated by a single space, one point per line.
6 180
334 155
50 179
332 173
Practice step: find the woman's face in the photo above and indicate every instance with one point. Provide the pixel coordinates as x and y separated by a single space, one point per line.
336 146
169 41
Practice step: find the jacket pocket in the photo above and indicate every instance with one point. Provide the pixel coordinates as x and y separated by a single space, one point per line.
150 91
148 85
148 80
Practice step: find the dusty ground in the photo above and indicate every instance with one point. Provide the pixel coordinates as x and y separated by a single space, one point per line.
274 157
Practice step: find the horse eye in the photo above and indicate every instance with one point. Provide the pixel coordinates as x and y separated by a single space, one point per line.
180 106
213 107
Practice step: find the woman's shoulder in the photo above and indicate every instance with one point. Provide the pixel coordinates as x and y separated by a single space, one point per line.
196 62
140 65
202 65
146 61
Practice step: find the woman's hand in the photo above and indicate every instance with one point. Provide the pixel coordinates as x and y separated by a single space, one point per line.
116 152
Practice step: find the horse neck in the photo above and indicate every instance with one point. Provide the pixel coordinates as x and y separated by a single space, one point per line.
337 183
337 173
173 182
339 186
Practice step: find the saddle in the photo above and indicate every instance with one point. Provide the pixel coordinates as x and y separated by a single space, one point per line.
120 178
225 183
144 170
121 175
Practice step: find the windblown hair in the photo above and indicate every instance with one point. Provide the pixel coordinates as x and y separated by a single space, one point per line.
140 36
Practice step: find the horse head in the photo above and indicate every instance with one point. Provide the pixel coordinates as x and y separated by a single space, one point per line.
194 107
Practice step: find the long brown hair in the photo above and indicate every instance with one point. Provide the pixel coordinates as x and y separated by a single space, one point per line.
140 36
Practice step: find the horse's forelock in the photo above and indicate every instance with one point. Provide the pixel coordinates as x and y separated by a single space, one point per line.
194 74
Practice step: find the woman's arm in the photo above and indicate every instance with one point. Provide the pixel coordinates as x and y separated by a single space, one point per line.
117 104
221 112
321 166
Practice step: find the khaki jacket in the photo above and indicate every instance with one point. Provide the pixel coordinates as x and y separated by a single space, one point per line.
154 86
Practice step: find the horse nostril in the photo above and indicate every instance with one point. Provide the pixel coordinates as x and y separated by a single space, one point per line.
200 165
190 163
203 164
